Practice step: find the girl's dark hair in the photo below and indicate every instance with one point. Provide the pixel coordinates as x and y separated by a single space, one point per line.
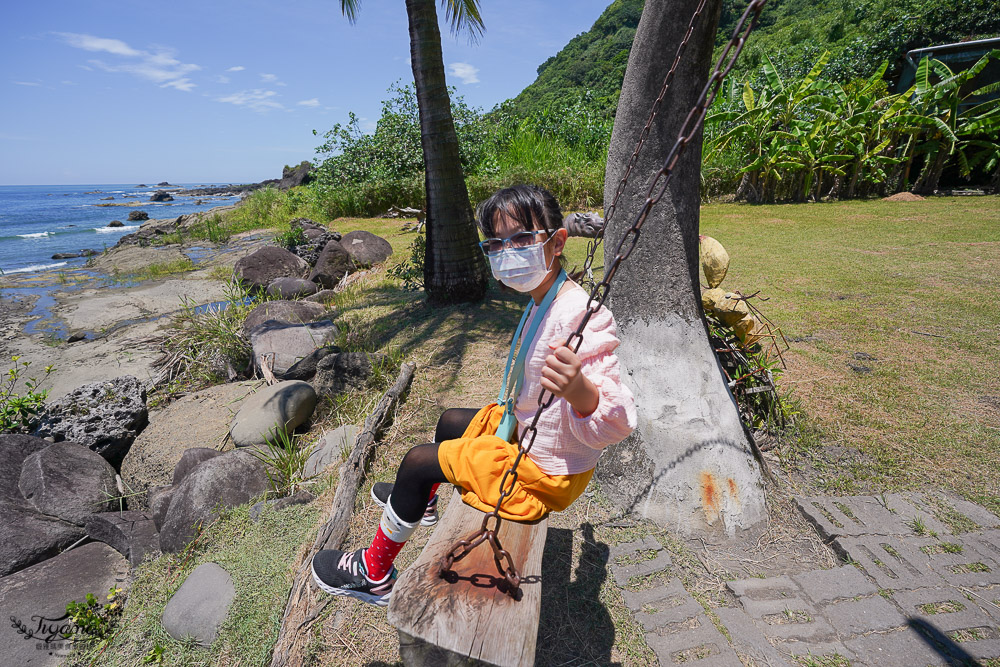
531 206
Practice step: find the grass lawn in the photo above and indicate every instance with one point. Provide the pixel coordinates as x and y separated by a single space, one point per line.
893 319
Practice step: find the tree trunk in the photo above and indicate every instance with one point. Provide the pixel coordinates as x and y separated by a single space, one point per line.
454 268
689 464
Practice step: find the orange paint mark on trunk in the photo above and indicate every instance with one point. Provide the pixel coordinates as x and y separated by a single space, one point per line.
709 496
734 491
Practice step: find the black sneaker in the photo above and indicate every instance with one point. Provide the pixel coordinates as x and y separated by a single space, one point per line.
343 573
382 490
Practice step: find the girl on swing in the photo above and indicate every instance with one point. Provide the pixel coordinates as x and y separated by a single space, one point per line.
471 449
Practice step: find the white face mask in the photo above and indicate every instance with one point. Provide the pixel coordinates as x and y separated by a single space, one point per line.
522 269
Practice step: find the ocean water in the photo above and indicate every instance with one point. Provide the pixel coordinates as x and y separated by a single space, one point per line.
38 221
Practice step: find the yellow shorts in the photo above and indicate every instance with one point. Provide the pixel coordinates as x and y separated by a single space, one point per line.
477 461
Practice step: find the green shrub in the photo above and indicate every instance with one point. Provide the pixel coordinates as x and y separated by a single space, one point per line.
18 410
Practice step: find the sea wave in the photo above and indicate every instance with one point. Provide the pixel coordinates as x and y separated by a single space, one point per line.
35 236
109 230
36 267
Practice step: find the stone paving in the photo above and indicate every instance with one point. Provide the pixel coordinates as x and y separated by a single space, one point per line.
920 587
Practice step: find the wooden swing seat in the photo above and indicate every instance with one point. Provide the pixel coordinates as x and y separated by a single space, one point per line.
468 618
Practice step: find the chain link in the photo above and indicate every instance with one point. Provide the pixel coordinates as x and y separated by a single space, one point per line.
600 292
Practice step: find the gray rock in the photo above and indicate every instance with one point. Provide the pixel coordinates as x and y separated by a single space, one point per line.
366 248
323 296
200 419
116 223
132 534
258 269
305 368
328 449
161 195
14 448
342 372
34 601
103 416
158 500
283 312
135 216
300 497
27 537
333 263
295 176
220 483
190 459
285 345
68 482
200 605
282 406
291 288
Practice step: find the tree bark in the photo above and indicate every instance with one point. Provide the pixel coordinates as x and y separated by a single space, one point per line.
689 465
454 268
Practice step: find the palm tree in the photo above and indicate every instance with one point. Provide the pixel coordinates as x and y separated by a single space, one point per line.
454 268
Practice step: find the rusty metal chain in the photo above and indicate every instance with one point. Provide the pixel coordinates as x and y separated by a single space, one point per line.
658 186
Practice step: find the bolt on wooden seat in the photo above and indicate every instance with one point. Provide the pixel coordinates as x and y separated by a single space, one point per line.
467 617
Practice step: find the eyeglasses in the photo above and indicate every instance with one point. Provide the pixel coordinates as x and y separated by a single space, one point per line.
519 240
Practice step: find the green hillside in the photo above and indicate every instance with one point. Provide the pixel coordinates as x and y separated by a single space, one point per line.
860 34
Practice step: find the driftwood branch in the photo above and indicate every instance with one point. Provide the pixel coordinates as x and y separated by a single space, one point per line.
303 606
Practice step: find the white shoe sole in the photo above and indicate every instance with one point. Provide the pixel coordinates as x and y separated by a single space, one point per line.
377 600
424 521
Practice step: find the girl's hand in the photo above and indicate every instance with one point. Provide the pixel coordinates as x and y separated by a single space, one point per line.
563 378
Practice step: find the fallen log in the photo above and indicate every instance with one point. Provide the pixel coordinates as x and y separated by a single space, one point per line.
304 606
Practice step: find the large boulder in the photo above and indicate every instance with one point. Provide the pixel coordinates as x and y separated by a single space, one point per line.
258 269
68 481
342 372
104 416
131 533
333 263
280 407
14 448
161 195
295 176
136 216
291 288
191 459
365 248
34 600
223 482
198 420
283 312
317 237
27 537
285 345
200 605
305 368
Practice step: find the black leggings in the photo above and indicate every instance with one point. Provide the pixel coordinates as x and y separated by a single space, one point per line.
419 470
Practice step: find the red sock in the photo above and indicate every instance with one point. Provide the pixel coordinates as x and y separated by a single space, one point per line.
390 537
434 490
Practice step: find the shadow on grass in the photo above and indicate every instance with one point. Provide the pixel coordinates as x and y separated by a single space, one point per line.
575 627
411 323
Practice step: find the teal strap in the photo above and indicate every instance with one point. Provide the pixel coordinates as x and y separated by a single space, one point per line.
509 394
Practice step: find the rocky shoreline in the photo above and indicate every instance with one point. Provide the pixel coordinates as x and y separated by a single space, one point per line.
104 480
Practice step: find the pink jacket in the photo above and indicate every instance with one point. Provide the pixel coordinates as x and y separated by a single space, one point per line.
566 443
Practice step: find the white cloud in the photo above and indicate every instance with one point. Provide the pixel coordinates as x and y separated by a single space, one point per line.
269 78
26 83
314 102
91 43
256 100
158 66
238 68
465 72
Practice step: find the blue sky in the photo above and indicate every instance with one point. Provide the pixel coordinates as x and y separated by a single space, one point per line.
102 91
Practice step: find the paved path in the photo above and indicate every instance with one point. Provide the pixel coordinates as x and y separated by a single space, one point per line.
921 588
